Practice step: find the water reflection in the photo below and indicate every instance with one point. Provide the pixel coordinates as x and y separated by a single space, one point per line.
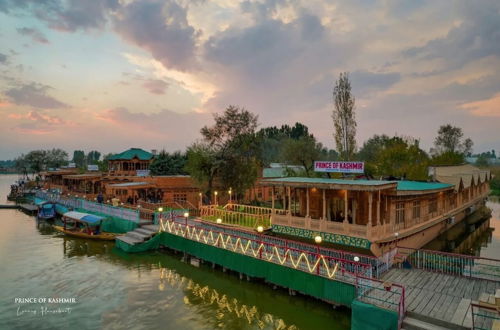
225 307
477 235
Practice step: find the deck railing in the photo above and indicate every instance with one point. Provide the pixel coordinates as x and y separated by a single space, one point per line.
382 294
242 219
450 263
75 203
484 317
306 261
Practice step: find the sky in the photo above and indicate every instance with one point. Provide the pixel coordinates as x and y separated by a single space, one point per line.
112 74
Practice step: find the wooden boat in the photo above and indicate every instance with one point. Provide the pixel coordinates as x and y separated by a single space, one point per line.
46 210
84 225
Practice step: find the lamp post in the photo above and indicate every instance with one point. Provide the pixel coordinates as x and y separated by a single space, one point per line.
215 194
260 230
201 200
230 195
318 239
186 216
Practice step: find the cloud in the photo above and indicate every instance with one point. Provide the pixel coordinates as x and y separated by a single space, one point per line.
34 34
364 82
485 108
155 86
476 37
3 59
160 27
175 130
67 15
34 95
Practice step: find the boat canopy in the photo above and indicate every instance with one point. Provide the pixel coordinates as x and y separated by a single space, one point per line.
84 217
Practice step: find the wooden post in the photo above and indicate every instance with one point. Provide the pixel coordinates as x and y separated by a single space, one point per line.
307 202
346 205
370 204
324 204
378 209
289 200
284 199
272 198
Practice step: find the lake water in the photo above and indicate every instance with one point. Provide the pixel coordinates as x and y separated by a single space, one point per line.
114 290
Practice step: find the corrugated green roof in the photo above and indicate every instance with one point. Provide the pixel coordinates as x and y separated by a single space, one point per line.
401 185
131 153
417 185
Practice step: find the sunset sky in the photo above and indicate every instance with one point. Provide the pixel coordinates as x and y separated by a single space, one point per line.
114 74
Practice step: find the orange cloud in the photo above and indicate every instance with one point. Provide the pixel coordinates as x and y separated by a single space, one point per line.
485 108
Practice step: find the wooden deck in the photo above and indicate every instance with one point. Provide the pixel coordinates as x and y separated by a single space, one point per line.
440 298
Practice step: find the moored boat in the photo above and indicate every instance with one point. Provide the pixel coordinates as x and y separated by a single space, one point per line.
46 210
84 225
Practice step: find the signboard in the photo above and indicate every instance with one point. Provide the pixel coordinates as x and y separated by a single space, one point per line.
72 165
339 167
142 172
92 168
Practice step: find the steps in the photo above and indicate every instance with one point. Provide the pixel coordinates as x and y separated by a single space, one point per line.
139 234
414 321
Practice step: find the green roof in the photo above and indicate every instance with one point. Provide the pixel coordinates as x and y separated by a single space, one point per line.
131 154
417 185
401 185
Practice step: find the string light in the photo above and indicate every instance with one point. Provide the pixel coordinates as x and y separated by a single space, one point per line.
252 248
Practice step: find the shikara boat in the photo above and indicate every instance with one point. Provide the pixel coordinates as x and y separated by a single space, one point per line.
46 210
84 225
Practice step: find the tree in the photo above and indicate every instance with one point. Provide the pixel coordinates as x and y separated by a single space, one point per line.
103 164
402 157
55 158
202 165
449 139
272 140
303 151
79 158
482 161
168 164
344 117
93 157
228 151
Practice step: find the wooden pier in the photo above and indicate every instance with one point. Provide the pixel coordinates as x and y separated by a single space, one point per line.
441 299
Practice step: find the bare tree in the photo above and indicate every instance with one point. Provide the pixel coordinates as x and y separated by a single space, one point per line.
344 117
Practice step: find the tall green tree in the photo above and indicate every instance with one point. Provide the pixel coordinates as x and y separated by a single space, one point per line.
344 120
168 164
450 139
79 158
55 158
228 151
93 157
303 151
103 164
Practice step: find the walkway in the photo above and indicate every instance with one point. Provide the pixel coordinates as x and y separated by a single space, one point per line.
440 297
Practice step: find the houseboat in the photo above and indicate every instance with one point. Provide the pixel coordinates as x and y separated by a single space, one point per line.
376 215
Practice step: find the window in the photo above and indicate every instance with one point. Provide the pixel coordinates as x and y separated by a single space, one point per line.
400 212
180 198
416 209
433 205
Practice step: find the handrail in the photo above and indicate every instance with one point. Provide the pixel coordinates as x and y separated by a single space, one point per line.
306 261
452 263
492 314
382 294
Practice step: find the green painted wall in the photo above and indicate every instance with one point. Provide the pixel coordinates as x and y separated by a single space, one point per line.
370 317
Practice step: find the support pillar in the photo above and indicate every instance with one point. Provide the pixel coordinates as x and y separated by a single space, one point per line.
370 205
324 204
289 200
346 205
378 209
272 198
307 202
